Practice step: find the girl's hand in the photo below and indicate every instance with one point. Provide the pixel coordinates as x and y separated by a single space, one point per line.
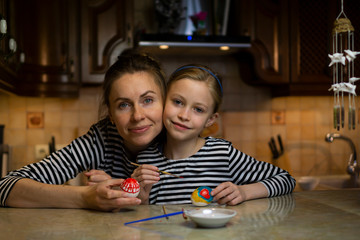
228 193
146 175
96 176
103 196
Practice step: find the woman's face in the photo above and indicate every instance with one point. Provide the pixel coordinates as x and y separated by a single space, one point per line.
136 108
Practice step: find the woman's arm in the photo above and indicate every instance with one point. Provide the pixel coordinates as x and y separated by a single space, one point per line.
96 176
146 175
28 193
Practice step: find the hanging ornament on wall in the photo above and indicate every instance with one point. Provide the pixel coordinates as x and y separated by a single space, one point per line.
342 63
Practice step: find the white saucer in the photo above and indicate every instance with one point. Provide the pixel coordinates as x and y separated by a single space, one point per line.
210 217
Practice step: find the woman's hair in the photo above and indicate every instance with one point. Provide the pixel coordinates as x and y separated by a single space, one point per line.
201 73
130 62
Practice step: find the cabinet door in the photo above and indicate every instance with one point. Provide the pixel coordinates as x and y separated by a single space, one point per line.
312 23
106 32
310 36
47 32
266 22
8 61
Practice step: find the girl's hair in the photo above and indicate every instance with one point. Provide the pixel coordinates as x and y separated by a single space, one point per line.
130 62
202 73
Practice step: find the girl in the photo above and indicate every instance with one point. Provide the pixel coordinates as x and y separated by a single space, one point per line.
192 103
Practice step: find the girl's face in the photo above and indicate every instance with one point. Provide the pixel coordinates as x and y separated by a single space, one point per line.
136 108
188 109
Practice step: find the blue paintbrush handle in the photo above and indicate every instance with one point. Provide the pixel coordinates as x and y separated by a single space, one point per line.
151 218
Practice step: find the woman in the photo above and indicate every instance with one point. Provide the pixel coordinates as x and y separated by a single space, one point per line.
133 92
192 102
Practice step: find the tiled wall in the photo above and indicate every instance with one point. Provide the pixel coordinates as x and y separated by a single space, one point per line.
246 120
65 119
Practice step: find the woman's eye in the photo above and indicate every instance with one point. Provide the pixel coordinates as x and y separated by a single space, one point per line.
124 105
148 100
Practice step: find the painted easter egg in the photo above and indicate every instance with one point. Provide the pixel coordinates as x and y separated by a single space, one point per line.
131 186
201 196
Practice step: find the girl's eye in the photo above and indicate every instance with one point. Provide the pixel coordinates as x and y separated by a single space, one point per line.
177 102
199 110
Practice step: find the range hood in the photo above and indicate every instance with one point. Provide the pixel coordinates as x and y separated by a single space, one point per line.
198 44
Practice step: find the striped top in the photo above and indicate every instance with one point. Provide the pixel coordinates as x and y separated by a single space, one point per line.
100 148
216 162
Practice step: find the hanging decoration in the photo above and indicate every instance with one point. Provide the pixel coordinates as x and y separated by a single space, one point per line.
342 63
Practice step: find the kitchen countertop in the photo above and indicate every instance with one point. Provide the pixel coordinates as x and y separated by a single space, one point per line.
325 214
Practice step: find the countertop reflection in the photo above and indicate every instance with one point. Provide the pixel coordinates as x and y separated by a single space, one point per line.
301 215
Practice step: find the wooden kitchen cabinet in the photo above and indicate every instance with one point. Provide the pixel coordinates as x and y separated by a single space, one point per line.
266 22
47 33
291 40
106 30
7 69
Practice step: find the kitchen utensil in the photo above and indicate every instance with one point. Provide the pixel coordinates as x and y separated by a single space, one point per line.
280 157
308 183
280 144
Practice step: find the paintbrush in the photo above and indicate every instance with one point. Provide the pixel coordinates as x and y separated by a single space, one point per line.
163 207
163 172
152 218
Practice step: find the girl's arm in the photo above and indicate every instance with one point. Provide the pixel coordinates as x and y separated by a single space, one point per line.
146 175
252 179
232 194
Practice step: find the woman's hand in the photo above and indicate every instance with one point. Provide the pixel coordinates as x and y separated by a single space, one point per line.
146 175
104 197
96 176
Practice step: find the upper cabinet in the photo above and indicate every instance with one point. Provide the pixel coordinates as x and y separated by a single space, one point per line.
64 44
8 58
70 43
47 34
291 40
266 22
106 31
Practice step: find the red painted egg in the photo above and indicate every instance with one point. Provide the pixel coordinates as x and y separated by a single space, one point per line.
131 186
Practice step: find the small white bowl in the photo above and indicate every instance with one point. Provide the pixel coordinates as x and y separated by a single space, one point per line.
210 217
308 183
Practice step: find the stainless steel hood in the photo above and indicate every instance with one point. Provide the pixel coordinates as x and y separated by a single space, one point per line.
196 44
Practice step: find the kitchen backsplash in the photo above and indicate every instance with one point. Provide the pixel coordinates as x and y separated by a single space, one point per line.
249 118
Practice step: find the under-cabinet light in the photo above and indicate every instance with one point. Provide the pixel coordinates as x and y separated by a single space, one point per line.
163 47
224 48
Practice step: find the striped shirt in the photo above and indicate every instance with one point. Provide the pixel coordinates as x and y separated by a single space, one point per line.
216 162
100 148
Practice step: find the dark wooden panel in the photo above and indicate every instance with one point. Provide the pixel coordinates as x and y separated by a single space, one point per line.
106 24
48 33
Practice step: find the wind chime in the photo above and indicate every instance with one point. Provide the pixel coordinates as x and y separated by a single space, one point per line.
342 63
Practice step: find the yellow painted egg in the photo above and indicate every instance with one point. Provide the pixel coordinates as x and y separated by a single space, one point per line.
201 196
